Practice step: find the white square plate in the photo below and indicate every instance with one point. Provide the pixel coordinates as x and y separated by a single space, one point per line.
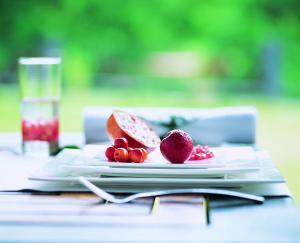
248 168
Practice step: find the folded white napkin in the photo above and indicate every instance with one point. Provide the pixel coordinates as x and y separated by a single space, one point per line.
212 126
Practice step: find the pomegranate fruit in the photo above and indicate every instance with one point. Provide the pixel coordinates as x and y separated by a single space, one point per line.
177 146
134 129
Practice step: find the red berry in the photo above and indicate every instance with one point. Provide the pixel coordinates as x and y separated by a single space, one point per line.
145 153
121 155
136 155
130 149
109 153
121 143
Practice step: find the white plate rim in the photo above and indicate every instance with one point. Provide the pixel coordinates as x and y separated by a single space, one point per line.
174 172
178 182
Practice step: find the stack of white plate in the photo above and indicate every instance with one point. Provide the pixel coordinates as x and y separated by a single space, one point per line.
231 167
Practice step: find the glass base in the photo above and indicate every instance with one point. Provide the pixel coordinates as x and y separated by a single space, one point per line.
39 149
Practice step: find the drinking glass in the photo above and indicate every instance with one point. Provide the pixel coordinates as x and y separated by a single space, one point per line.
39 79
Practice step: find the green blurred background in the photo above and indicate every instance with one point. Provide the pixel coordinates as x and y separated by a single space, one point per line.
164 53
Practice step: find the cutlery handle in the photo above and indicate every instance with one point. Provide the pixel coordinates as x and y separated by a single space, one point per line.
202 191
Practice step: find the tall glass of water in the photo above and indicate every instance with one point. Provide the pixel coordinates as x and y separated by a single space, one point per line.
39 79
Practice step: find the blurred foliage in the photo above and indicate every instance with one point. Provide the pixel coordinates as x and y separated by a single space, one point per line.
237 41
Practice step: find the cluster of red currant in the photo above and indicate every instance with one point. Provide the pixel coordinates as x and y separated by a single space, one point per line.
121 152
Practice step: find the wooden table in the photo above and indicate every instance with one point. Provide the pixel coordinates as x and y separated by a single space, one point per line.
81 217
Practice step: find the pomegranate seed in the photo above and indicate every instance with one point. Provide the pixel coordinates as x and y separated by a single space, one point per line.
201 152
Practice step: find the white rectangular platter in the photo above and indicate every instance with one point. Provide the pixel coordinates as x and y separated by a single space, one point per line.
245 166
160 173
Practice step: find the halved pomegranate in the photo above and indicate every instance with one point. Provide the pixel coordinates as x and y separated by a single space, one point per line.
137 132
